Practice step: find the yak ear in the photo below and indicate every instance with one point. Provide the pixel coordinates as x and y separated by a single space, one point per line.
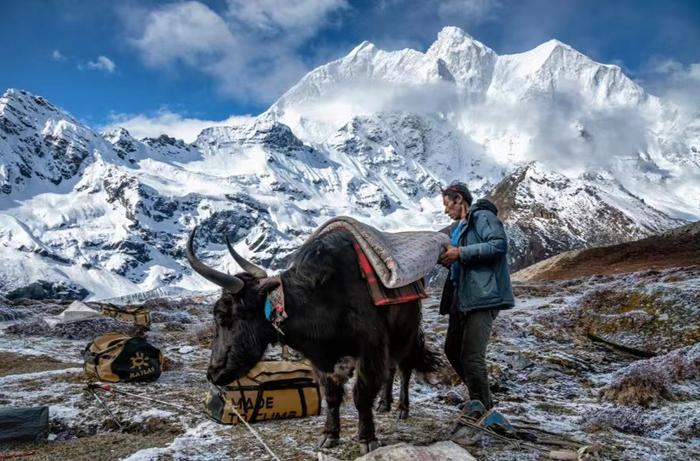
267 285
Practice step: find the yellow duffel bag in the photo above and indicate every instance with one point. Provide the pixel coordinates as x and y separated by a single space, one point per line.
116 357
271 390
139 316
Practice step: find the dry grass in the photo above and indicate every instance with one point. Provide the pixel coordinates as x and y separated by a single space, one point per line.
647 381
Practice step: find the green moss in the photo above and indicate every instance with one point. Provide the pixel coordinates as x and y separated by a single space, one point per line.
638 320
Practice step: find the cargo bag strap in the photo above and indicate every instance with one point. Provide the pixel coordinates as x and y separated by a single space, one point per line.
302 400
256 404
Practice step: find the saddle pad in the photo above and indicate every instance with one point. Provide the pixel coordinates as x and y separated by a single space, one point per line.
398 258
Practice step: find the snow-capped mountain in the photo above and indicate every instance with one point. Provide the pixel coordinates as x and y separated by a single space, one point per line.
547 213
573 152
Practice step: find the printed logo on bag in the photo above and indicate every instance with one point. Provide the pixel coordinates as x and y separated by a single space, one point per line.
140 365
265 407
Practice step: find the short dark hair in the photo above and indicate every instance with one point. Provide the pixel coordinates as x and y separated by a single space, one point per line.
457 189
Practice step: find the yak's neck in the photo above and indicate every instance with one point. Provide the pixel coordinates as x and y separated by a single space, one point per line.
301 323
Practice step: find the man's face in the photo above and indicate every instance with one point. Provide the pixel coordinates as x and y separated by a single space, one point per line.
453 208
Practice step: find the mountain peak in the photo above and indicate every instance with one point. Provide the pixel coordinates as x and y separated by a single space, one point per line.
538 56
26 102
468 60
455 39
116 134
555 43
551 46
454 35
362 48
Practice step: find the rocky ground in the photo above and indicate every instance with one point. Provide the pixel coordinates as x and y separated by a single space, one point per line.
611 362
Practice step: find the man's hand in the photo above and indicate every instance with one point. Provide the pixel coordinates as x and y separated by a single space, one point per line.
450 255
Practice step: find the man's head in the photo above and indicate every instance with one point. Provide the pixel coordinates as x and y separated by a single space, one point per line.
457 200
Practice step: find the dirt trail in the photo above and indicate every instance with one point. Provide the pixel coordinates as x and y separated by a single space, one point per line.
14 364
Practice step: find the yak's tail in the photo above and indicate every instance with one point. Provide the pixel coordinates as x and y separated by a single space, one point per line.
425 360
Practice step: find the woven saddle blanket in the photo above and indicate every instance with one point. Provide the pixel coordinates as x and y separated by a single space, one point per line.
398 258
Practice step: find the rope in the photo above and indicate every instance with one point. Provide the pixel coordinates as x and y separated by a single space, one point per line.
252 431
109 388
518 443
515 442
104 405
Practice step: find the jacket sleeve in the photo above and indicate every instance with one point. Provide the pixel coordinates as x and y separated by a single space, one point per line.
494 243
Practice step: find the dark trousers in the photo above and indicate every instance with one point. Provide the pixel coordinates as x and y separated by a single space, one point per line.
465 348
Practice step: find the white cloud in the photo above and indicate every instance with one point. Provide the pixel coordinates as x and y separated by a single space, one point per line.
297 19
674 81
252 49
473 11
187 32
167 122
56 55
102 63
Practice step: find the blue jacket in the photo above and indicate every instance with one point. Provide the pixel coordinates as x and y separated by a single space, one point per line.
484 278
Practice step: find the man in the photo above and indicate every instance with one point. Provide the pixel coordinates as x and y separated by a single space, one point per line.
477 288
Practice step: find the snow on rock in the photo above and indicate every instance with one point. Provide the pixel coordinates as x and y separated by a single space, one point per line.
470 62
546 213
576 154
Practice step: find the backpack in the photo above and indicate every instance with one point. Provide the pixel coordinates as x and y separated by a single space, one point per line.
116 357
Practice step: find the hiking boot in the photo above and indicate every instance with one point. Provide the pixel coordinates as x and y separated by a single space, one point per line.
473 410
496 422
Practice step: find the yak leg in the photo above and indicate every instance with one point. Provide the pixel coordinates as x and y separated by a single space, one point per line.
386 398
333 391
403 396
371 373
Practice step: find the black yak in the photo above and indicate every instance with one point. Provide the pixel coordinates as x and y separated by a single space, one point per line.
330 316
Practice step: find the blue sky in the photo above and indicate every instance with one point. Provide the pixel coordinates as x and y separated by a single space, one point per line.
168 63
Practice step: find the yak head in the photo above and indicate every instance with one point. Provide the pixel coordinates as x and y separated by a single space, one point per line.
242 332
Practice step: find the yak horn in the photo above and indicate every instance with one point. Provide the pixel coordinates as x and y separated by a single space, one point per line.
246 265
226 281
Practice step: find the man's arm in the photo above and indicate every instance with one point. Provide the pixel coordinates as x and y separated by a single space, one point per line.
494 245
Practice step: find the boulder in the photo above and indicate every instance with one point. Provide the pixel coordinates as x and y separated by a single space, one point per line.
439 451
644 322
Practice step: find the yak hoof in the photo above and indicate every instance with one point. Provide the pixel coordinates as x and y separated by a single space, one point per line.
369 446
329 441
383 407
403 413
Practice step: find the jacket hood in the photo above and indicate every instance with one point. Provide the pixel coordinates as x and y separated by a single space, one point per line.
483 204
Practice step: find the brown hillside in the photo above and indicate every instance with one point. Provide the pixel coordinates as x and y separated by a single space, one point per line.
676 248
